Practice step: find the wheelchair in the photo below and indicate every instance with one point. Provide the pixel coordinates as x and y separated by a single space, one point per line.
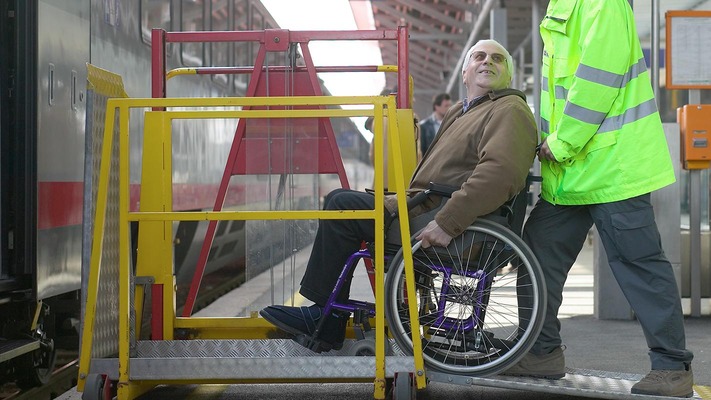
480 301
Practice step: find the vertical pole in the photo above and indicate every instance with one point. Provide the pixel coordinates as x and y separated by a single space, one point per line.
158 64
157 92
695 226
124 284
695 239
521 75
536 55
654 50
403 70
498 26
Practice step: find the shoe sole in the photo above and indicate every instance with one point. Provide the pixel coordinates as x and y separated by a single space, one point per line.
300 337
276 322
554 377
316 345
650 393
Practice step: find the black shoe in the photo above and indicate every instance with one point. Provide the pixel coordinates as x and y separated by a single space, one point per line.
302 323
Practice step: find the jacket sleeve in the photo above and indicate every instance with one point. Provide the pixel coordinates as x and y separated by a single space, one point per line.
599 76
506 152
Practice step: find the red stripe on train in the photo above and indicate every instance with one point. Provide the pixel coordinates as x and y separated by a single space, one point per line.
60 203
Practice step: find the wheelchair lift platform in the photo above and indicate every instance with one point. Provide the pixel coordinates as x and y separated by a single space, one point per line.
280 360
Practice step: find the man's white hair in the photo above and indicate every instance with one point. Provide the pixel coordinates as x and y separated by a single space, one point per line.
509 59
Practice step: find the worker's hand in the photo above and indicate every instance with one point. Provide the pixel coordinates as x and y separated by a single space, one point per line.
545 153
433 235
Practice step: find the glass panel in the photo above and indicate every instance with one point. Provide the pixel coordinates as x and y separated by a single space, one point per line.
154 14
199 150
282 165
242 50
220 52
192 19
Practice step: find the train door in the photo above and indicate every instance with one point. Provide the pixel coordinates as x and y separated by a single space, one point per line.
18 124
4 56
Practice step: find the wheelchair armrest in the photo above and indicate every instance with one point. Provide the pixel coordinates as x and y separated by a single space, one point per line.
433 189
441 190
372 191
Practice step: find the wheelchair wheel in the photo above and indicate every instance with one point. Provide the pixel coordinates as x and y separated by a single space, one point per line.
480 301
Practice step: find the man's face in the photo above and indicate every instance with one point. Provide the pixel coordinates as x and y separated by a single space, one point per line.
487 69
442 108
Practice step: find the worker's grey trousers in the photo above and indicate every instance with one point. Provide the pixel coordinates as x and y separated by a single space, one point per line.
556 235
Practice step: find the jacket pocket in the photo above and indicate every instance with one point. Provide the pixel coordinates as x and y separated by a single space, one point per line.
598 141
636 235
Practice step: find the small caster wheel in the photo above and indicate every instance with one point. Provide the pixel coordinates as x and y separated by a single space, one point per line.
404 386
365 347
96 388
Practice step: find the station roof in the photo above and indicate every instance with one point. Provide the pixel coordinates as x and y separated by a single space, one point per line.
442 30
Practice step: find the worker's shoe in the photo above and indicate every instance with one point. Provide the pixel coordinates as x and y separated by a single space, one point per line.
302 323
664 382
546 366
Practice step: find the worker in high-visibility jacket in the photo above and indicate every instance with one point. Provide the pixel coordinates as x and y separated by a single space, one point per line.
603 151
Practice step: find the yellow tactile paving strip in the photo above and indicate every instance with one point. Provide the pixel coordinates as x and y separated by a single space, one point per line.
703 391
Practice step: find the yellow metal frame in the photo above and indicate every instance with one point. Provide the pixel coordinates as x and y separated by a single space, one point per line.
156 216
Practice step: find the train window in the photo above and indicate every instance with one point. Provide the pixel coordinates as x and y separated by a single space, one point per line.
257 20
242 50
154 14
192 18
220 51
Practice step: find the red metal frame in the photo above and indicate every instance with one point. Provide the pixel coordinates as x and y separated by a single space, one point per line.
271 40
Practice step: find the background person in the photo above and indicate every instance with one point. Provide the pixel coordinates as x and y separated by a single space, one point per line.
430 125
603 152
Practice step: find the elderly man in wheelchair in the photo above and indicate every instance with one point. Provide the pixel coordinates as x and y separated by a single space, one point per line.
470 271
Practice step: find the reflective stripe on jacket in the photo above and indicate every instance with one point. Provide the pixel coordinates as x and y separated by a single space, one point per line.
598 111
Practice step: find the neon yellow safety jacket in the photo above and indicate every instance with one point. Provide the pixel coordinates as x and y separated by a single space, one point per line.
598 112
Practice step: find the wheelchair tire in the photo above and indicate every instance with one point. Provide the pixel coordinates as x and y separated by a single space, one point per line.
468 297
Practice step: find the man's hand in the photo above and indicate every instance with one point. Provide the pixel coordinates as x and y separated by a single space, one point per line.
545 153
433 235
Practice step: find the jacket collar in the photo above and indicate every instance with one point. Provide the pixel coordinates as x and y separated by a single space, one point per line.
492 95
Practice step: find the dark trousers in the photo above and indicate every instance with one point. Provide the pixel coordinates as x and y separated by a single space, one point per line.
336 240
629 234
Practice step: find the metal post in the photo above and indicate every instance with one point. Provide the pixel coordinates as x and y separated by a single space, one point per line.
695 227
536 55
695 239
521 74
498 27
654 56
